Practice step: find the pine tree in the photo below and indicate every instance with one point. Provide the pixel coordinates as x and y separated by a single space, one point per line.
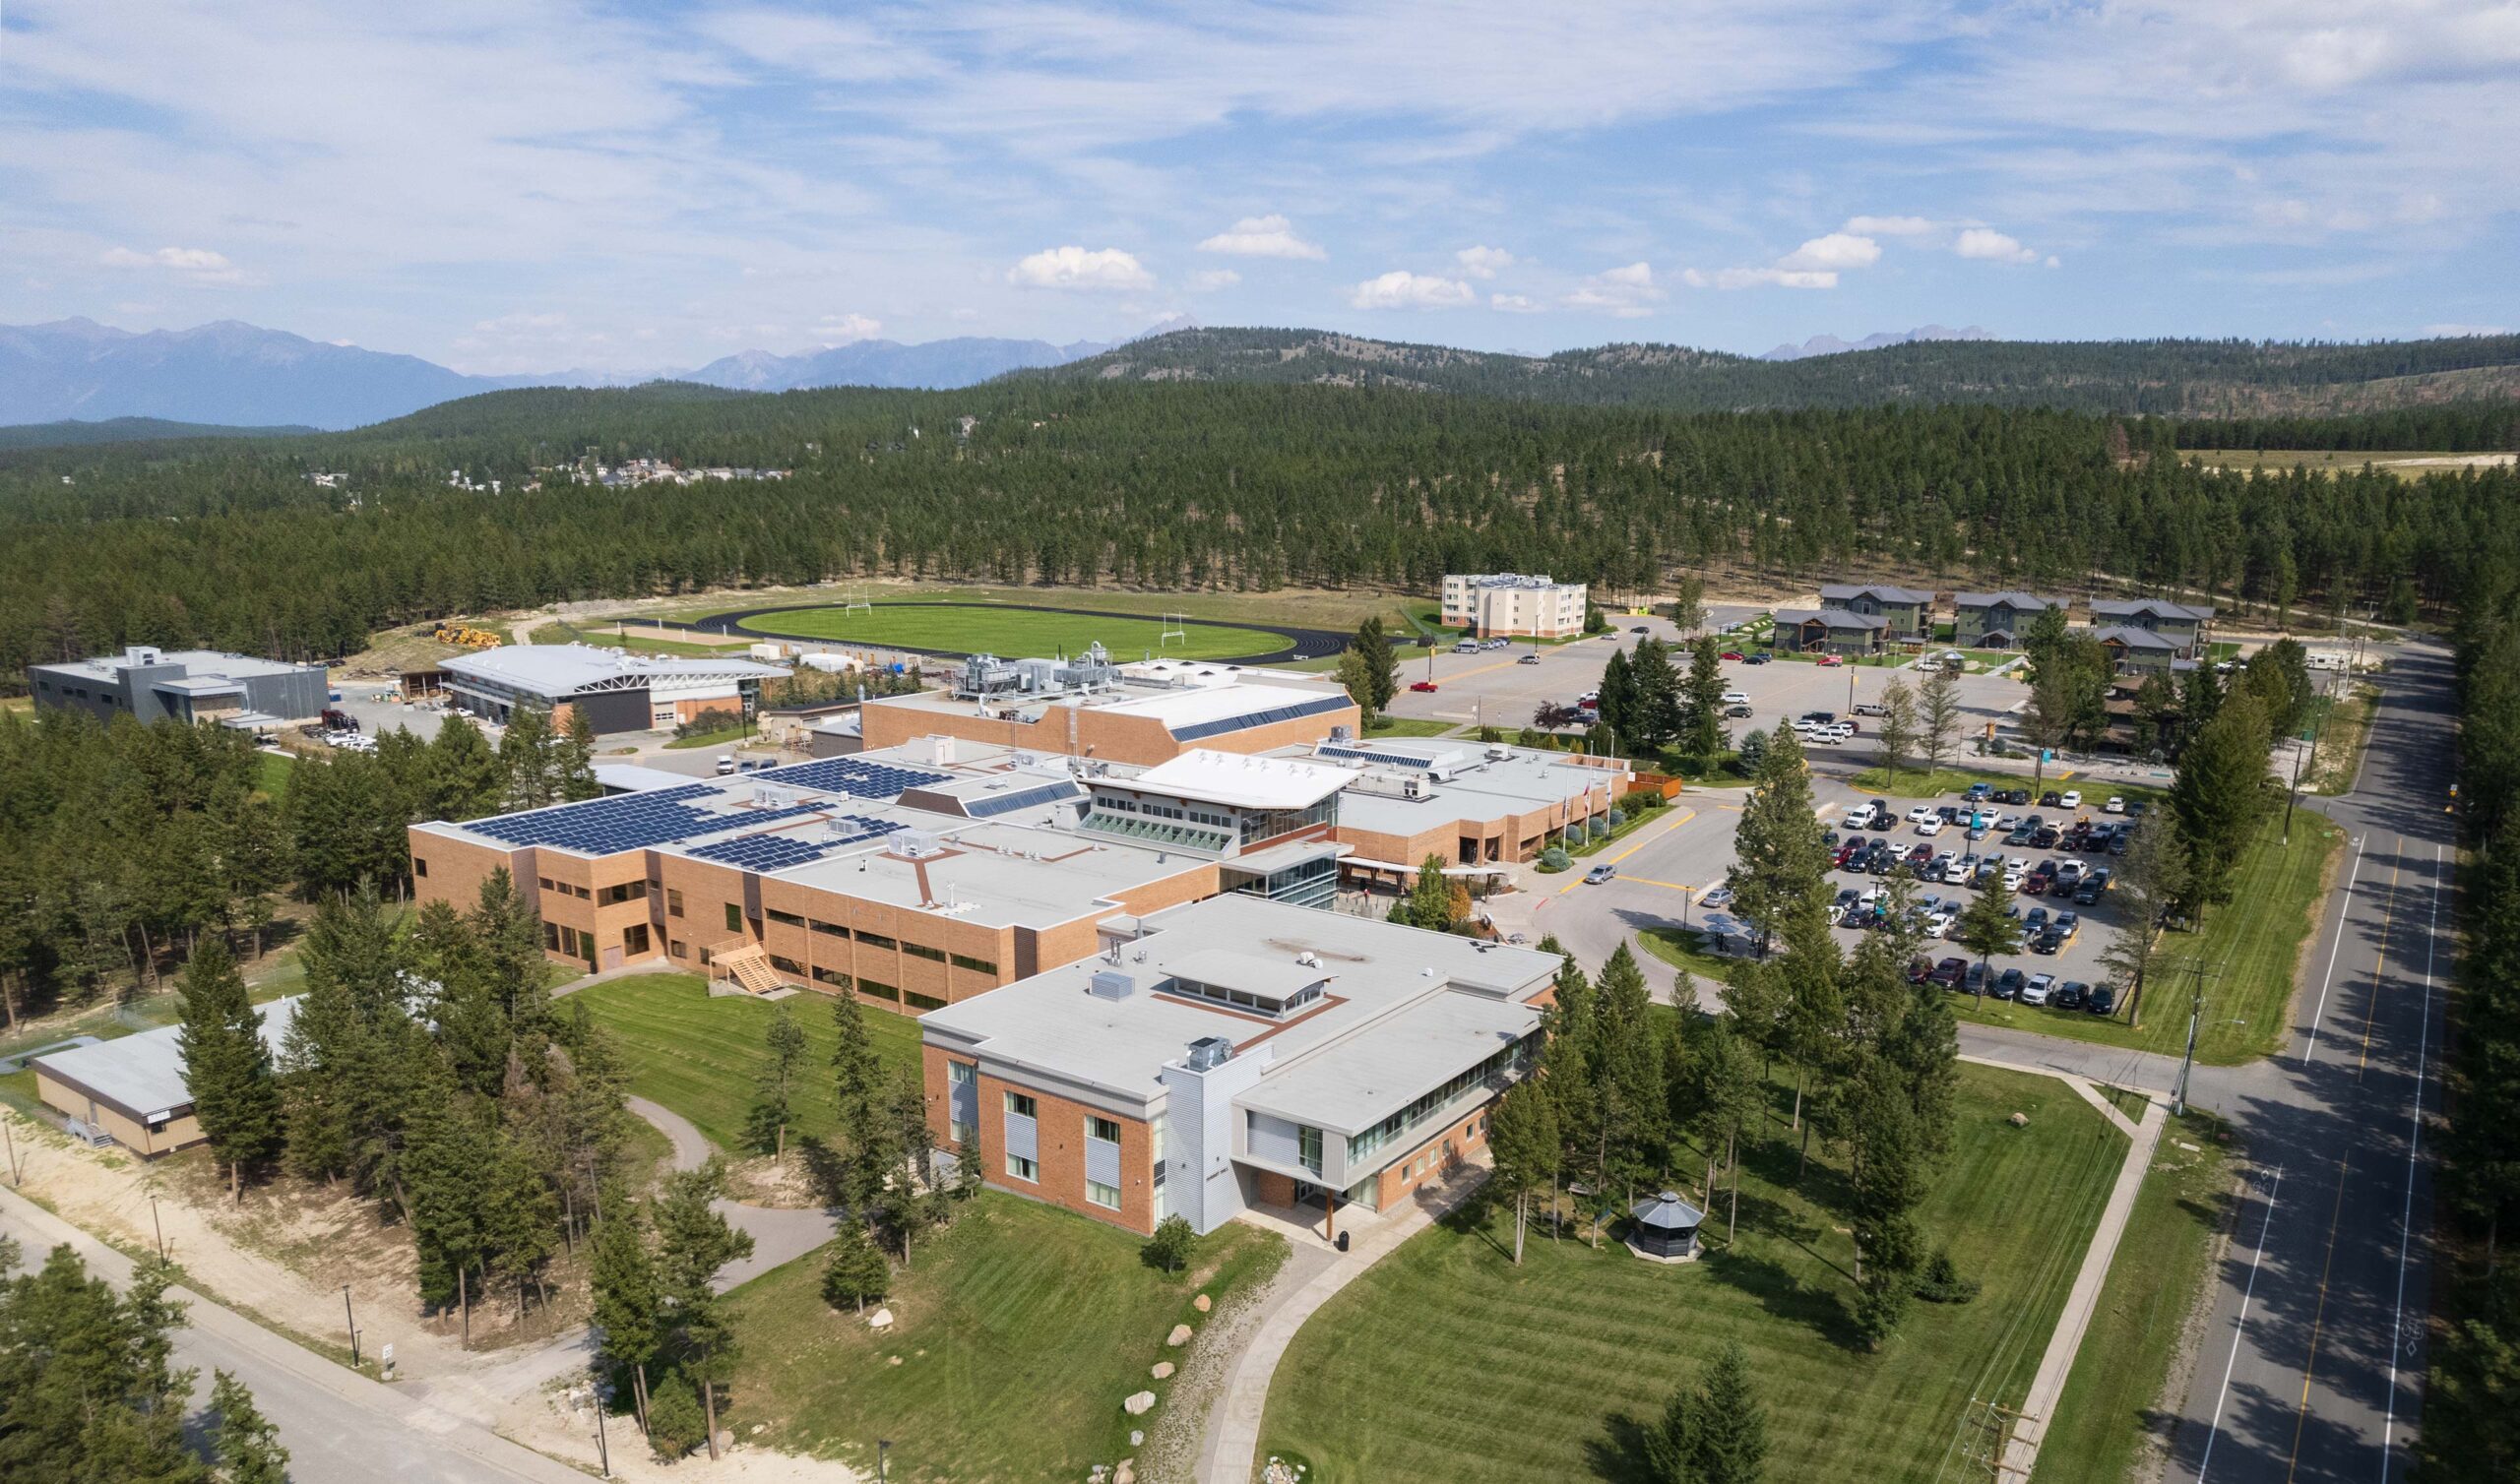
1382 664
524 757
1702 732
1356 678
627 1301
1730 1097
465 781
1988 927
866 1125
228 1072
2219 795
509 938
1523 1137
1616 704
774 1089
1717 1434
857 1273
1937 717
1778 855
573 759
693 1243
248 1442
1171 1246
86 1391
1631 1127
1654 704
1897 727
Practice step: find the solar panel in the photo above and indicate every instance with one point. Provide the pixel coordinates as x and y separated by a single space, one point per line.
778 852
857 777
627 822
1369 755
1314 707
993 805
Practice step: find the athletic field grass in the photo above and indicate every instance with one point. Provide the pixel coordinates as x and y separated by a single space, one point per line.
698 1055
1019 1331
979 629
1304 607
2254 943
2107 1415
1446 1364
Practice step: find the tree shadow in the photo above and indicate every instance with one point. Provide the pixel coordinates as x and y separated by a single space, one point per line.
1618 1454
826 1171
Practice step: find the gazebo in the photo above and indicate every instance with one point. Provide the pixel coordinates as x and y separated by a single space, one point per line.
1664 1229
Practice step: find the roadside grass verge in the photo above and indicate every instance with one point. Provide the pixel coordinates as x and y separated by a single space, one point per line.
2250 949
2115 1410
1686 948
698 1055
1636 819
1017 1332
1396 1379
2341 741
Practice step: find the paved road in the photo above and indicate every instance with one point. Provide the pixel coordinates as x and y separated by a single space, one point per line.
778 1236
339 1427
2312 1363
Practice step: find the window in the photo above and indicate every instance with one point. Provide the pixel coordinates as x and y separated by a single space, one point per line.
1022 1105
833 977
875 940
545 883
1021 1168
975 966
790 920
831 928
916 1001
419 867
634 938
879 991
1105 1129
628 891
735 917
1309 1148
673 901
1503 1063
963 1134
922 951
786 966
679 948
962 1074
1107 1197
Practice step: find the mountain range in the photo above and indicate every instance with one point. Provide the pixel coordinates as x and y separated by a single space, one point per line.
234 374
1830 344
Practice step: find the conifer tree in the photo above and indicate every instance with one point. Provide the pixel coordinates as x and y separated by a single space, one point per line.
1937 717
1702 731
1780 859
573 759
627 1301
1382 665
1523 1138
227 1071
465 778
693 1243
857 1273
248 1442
774 1089
2219 795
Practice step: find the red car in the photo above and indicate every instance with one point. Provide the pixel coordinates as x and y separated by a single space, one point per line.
1831 661
1422 685
1734 656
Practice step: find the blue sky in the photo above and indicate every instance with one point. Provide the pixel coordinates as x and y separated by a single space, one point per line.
508 185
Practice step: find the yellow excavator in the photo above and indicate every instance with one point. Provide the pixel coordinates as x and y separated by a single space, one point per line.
468 636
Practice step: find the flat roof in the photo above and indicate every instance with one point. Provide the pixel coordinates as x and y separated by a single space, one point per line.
1049 1025
1176 708
630 778
1524 781
145 1073
1350 1086
1272 977
566 669
1239 780
198 664
989 872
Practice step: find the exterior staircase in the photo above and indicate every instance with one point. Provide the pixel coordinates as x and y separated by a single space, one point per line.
745 963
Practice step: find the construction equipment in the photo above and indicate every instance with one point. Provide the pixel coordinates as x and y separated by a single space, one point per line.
467 636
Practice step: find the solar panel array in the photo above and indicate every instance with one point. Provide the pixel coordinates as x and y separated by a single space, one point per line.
626 822
990 806
1314 707
855 777
777 852
1369 755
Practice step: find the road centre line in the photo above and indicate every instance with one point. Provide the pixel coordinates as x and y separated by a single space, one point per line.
2311 1041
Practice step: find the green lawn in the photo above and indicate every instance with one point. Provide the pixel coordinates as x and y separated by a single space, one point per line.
2254 943
1916 784
640 643
2341 739
976 628
1019 1331
698 1055
1409 726
723 737
2109 1410
276 770
1636 819
1684 948
1446 1363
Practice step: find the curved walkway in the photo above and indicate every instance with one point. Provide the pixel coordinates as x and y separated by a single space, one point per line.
1302 644
778 1236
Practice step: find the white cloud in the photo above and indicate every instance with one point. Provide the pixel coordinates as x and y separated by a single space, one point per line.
841 328
1401 290
1484 262
1837 250
197 264
2461 331
1513 303
1628 293
1076 268
1890 226
1988 245
1271 236
1208 280
1759 277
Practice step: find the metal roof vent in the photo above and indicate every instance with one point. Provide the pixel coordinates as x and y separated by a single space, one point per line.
1108 985
1309 958
1209 1052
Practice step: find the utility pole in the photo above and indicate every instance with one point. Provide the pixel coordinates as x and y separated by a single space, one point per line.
2195 1016
351 1320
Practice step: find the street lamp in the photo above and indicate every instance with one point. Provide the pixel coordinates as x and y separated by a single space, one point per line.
883 1446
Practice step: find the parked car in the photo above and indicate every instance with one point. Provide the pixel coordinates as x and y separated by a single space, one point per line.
1831 662
1930 827
1721 896
2051 799
1950 972
1977 979
1977 792
1735 698
1734 656
1598 874
2070 995
1919 970
2035 922
1422 686
1738 708
2049 942
2101 1001
2067 924
1920 814
2009 984
1761 658
2035 990
2072 799
1858 814
2115 805
1870 708
2070 874
1918 855
1639 629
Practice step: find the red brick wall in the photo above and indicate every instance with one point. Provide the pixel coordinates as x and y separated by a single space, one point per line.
1060 1143
1431 1159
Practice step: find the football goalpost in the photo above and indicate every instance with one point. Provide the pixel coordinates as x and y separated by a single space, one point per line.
1177 628
853 599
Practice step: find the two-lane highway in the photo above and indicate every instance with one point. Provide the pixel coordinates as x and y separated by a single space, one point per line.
2311 1365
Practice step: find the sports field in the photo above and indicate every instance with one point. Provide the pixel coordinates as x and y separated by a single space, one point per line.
986 629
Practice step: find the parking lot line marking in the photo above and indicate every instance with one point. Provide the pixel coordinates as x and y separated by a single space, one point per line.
1669 886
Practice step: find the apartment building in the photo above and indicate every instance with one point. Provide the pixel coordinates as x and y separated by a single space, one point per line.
1513 604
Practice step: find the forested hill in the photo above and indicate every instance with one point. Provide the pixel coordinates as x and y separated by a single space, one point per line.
2178 378
1171 487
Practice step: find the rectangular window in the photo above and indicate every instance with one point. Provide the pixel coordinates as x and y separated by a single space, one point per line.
634 938
833 929
545 883
922 951
735 917
963 1134
879 991
582 894
1309 1148
679 948
916 1001
1022 1104
551 936
875 940
975 966
1107 1197
1105 1129
833 977
1021 1168
789 918
419 867
673 901
787 965
962 1074
628 891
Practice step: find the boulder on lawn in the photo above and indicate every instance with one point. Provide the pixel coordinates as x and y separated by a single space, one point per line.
1162 1368
1139 1403
881 1318
1126 1473
1203 1303
2019 1120
1180 1335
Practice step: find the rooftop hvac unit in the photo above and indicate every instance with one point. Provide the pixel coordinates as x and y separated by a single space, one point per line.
1209 1052
771 798
1340 735
1499 751
1108 985
917 844
1309 958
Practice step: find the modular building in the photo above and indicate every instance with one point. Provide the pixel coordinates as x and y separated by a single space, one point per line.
616 690
149 684
132 1091
1238 1053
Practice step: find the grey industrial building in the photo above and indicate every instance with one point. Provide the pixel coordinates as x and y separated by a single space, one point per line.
149 684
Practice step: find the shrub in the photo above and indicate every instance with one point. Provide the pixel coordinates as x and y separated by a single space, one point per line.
1942 1283
1170 1247
1617 817
1554 858
676 1423
705 723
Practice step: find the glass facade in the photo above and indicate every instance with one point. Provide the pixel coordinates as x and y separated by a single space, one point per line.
1311 884
1393 1130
